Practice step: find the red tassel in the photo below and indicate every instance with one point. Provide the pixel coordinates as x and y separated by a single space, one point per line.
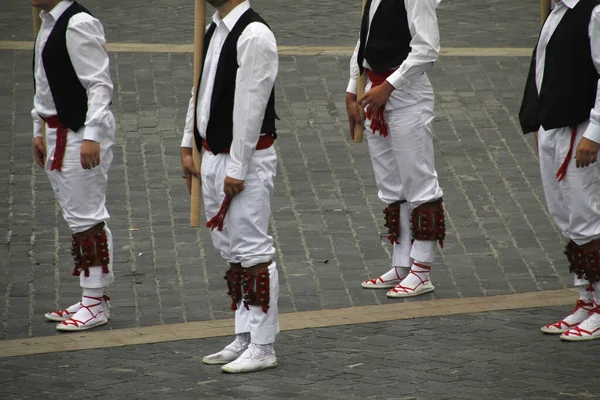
218 220
378 123
562 171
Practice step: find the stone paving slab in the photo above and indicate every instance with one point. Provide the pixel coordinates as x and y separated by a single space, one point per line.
463 23
326 215
490 356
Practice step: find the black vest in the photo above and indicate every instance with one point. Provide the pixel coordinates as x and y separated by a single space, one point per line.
219 131
70 97
568 92
389 37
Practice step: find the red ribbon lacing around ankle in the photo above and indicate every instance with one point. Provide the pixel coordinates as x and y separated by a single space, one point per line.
562 171
218 220
378 123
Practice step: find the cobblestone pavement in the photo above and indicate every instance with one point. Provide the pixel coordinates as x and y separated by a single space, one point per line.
499 355
326 214
463 23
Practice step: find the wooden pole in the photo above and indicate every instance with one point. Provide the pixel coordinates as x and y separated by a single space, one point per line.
545 9
359 129
37 25
199 28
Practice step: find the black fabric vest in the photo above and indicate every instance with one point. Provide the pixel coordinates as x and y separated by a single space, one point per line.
570 81
389 37
219 131
70 97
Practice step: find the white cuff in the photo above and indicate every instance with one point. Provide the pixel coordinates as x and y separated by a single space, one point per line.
237 171
37 129
188 140
352 85
93 133
592 132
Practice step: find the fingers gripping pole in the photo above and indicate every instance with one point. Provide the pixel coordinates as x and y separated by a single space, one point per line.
360 91
196 197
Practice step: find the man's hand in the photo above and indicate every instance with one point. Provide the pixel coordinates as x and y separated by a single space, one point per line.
39 151
587 153
376 98
233 187
90 154
353 112
187 163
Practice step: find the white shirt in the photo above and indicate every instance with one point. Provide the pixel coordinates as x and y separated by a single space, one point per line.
559 10
258 66
425 44
86 47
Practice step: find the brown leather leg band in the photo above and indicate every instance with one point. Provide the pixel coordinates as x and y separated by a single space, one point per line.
233 276
577 259
392 220
591 251
428 222
256 286
90 249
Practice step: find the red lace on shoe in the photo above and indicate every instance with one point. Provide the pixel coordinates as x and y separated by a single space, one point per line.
407 289
77 323
578 306
578 332
374 281
61 313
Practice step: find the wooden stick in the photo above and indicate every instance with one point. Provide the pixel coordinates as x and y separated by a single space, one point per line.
359 128
199 28
37 25
545 9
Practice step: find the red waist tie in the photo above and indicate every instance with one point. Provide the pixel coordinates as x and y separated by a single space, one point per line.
216 222
378 123
562 171
61 142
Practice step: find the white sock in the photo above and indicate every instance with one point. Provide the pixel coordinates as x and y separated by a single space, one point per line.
396 273
264 349
92 299
585 294
242 340
419 273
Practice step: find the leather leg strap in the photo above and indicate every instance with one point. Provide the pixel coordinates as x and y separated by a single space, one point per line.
577 259
392 220
233 276
90 249
428 222
591 251
252 285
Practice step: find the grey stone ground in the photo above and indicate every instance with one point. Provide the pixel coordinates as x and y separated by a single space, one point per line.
326 222
493 356
326 214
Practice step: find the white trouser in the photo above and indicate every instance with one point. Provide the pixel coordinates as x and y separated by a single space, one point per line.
263 327
82 193
245 238
573 203
403 163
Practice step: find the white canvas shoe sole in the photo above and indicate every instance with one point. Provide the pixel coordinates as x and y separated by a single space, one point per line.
422 289
247 365
55 317
98 321
379 285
